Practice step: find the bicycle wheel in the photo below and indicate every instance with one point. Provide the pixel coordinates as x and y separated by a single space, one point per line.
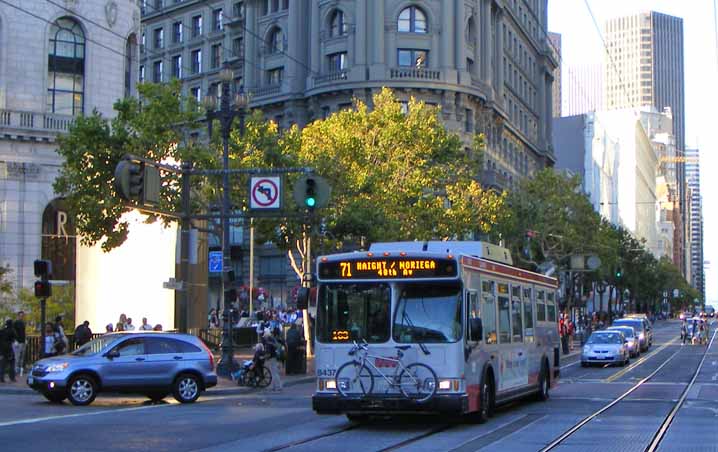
354 379
418 382
265 379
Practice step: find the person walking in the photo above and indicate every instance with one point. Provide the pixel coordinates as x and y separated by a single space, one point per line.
271 347
7 337
129 326
83 334
294 343
49 348
19 346
145 326
684 332
61 343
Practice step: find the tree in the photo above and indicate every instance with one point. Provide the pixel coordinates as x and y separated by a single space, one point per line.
394 175
155 126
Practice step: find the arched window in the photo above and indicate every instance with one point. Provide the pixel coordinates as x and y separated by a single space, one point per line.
337 25
275 41
66 68
412 20
130 56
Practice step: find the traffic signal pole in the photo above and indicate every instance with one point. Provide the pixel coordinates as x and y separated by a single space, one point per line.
43 315
185 225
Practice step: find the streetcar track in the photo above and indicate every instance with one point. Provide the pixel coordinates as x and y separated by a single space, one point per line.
666 422
414 439
638 362
311 438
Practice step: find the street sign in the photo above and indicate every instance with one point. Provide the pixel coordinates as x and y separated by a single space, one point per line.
265 192
215 261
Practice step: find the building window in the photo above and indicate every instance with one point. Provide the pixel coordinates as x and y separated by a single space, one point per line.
469 126
412 20
142 73
337 26
130 51
217 19
196 26
337 62
275 76
275 41
196 93
177 66
238 47
157 71
285 4
177 32
197 61
413 58
159 38
66 67
143 42
471 32
216 55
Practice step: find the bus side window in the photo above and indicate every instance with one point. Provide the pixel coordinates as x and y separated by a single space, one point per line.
472 310
517 329
488 310
528 316
504 314
540 306
550 307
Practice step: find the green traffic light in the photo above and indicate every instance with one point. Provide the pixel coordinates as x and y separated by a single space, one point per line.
310 202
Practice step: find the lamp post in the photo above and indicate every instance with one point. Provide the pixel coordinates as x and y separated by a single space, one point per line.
225 114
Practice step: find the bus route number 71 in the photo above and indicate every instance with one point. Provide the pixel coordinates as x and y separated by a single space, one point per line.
346 269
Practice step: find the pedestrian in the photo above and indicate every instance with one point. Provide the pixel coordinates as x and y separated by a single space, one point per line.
108 328
294 342
7 338
49 348
684 332
213 318
60 342
157 327
123 321
145 326
83 334
120 326
129 326
271 358
19 327
563 334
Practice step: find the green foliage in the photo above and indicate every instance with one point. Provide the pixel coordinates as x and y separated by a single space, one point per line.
5 285
155 126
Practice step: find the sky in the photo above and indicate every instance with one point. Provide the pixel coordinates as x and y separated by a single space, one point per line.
582 44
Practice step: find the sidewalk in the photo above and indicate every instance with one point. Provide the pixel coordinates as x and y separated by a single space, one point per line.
225 386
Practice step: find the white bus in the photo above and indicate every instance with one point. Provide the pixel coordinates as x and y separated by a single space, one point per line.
487 329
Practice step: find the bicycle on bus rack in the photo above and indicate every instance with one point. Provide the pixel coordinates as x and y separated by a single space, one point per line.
355 378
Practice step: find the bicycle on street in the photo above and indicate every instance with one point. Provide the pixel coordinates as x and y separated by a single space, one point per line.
355 379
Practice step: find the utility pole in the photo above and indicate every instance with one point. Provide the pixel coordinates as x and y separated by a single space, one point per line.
185 224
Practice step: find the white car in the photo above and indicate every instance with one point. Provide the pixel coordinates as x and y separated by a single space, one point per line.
632 342
605 346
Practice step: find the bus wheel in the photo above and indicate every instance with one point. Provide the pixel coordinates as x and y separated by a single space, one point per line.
544 383
486 399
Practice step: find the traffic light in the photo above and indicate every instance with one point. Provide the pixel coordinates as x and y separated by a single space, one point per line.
137 181
43 289
618 274
311 192
43 268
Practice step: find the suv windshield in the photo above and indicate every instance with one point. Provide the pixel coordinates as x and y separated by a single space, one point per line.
97 345
428 313
352 312
604 338
627 331
635 324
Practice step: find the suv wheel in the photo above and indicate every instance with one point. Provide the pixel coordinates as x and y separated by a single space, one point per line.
82 390
186 388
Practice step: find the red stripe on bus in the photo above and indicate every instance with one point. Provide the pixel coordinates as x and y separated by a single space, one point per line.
505 270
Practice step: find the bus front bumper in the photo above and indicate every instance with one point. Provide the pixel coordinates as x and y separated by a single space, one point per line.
440 403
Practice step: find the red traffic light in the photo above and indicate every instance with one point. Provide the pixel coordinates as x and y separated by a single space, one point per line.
43 289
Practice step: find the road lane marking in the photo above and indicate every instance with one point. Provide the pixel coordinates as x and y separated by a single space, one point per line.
640 361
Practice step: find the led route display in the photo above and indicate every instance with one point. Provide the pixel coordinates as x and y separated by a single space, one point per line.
388 268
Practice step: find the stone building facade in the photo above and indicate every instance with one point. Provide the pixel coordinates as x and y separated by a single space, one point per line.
58 60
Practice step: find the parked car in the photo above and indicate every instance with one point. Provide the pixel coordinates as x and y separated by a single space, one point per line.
631 339
151 363
643 330
605 346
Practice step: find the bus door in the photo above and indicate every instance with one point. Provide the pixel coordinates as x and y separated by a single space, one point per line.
534 353
472 352
512 355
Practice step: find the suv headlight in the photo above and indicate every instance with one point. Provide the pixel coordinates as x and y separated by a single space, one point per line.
57 367
586 349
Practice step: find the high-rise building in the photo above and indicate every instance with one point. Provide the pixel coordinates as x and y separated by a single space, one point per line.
693 180
555 40
644 67
583 84
487 64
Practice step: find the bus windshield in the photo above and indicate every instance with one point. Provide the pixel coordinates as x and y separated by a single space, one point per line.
353 312
428 313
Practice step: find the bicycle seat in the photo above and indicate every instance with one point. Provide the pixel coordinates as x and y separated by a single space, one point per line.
402 347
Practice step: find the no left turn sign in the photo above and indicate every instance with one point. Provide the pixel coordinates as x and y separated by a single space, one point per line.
265 192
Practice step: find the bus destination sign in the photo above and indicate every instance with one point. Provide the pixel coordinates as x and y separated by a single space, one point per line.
388 268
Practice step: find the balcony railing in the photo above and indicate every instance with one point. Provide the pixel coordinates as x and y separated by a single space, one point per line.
409 73
269 90
331 77
41 122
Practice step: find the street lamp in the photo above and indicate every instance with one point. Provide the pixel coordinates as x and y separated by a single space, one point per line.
226 114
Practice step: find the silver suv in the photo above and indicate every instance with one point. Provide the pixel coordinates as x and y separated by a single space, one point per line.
151 363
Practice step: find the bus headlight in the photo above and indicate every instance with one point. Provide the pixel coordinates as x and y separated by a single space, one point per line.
327 384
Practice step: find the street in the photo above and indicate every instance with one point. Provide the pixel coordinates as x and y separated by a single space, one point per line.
258 421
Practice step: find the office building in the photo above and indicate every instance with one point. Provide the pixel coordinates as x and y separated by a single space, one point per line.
555 41
693 180
583 84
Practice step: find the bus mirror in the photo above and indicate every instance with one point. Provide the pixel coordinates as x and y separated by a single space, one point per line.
477 330
303 298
